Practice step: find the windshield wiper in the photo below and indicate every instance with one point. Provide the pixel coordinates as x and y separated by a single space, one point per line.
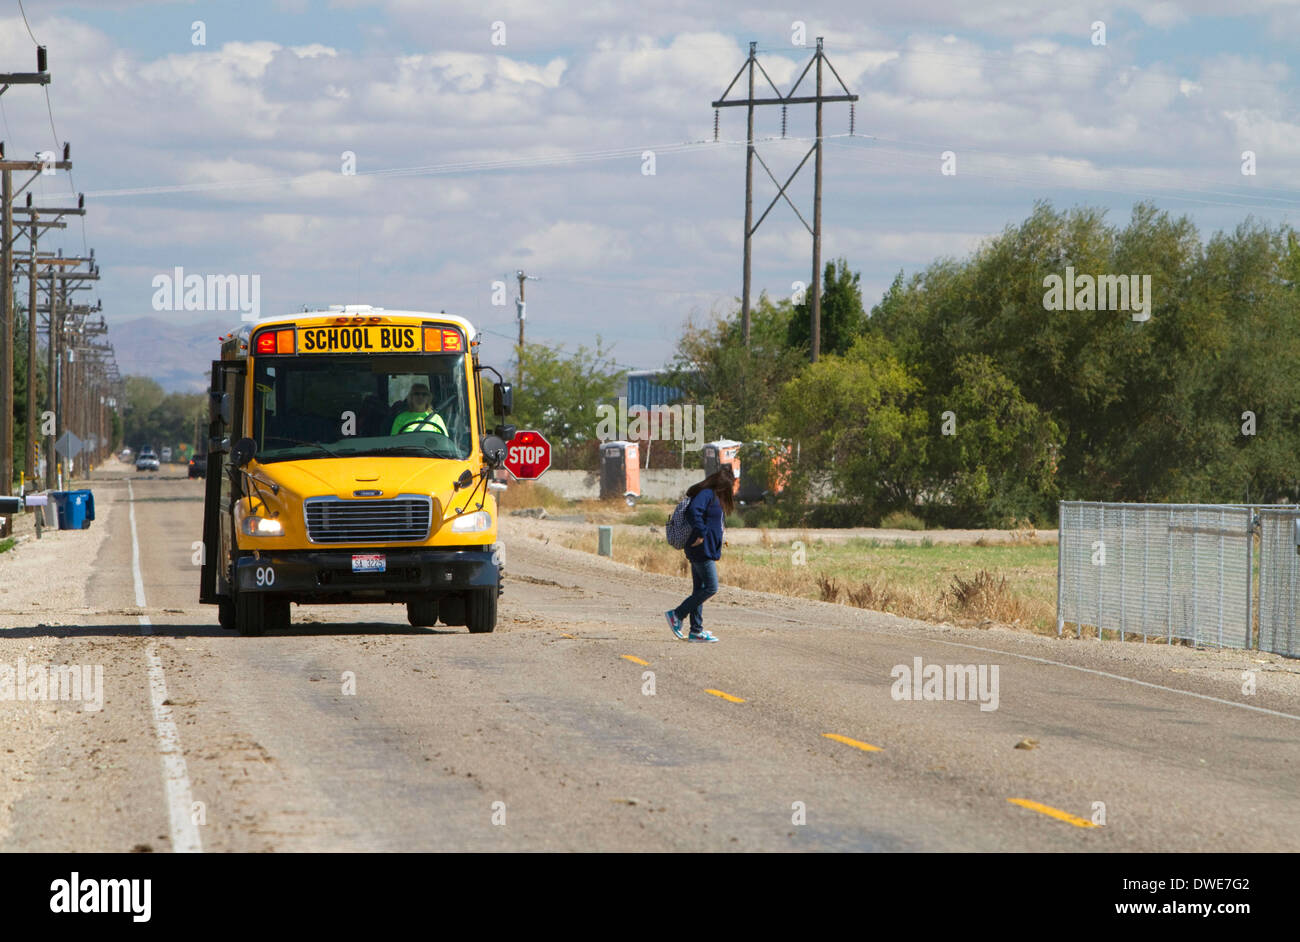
421 447
298 441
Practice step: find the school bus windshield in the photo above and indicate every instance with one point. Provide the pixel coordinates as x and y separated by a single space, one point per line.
324 406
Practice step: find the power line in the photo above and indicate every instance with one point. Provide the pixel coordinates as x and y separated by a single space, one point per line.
426 170
934 147
25 23
913 165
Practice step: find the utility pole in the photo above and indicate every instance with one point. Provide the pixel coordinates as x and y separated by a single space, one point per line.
817 220
61 282
815 230
39 77
37 226
53 332
521 311
7 194
749 199
29 446
7 334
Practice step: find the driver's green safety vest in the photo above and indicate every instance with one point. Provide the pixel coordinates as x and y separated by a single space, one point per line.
433 423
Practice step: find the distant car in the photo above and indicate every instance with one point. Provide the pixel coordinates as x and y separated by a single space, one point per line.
167 455
147 461
199 466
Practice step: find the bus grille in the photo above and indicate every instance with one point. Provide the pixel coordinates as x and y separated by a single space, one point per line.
330 520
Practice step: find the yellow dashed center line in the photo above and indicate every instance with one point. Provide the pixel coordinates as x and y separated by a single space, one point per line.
570 637
1056 813
725 696
634 659
864 746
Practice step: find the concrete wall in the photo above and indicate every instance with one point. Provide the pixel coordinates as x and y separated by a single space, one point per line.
656 483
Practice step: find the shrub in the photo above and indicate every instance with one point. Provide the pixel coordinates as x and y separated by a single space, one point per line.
902 520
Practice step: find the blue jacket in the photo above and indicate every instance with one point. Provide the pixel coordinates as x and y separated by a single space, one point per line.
705 517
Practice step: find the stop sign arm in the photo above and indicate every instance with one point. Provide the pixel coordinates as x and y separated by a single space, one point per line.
528 455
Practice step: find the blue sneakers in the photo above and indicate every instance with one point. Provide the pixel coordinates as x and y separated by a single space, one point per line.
702 636
674 623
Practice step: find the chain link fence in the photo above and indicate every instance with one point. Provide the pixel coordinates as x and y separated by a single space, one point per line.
1279 581
1172 571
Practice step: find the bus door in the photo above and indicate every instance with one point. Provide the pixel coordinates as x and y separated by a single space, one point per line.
225 419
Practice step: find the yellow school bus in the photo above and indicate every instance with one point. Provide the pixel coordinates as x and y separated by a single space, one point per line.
349 462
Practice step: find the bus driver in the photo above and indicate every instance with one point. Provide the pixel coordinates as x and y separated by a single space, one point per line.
418 415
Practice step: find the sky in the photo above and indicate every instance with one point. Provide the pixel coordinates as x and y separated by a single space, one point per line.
500 135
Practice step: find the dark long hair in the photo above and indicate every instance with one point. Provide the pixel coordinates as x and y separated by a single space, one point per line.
721 482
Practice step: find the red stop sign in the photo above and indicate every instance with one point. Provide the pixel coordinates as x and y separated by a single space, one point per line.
528 455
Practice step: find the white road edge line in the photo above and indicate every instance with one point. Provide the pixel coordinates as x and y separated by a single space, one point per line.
1044 660
176 779
1130 680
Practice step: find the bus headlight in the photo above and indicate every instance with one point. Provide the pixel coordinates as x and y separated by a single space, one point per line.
261 526
472 523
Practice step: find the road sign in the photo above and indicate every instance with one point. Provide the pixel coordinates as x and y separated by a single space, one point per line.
69 446
528 455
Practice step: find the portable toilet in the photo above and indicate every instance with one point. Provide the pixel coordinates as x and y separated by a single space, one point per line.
723 451
619 469
769 470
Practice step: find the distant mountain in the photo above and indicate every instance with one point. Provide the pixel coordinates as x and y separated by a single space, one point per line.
175 350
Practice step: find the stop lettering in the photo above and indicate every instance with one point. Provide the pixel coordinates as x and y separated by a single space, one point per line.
528 455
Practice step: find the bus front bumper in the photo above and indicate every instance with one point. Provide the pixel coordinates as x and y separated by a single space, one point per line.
345 575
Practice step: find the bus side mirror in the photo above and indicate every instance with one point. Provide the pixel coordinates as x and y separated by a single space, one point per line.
219 407
494 450
503 399
504 432
241 453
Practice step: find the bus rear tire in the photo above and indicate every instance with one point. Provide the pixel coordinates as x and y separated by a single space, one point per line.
423 614
481 611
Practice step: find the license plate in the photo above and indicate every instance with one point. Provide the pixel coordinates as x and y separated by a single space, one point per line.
373 562
360 339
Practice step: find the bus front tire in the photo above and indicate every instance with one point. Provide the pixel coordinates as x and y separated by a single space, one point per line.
256 613
423 614
226 614
481 610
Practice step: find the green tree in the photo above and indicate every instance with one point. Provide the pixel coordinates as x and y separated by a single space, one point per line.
159 419
859 430
736 385
561 391
993 457
842 316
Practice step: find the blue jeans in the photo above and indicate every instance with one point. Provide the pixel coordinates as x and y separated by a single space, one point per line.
704 585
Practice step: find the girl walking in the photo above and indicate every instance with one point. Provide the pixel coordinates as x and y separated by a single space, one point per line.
710 500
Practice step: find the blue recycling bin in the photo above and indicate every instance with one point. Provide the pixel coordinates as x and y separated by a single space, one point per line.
76 508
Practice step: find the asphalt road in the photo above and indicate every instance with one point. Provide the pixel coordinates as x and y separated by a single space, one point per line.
543 735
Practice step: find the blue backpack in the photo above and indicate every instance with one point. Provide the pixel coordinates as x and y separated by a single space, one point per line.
678 528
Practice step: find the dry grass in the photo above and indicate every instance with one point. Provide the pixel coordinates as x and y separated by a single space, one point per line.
522 494
987 597
933 583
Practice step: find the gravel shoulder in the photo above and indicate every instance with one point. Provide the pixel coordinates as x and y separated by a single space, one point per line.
43 583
